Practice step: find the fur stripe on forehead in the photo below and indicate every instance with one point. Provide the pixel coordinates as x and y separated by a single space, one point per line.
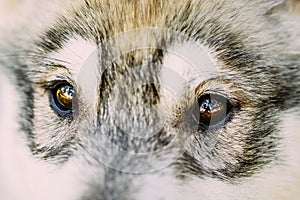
112 17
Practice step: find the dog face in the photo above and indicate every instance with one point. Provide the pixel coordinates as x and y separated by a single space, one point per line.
134 95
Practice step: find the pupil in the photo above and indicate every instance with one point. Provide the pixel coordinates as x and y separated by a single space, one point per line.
209 111
212 110
64 97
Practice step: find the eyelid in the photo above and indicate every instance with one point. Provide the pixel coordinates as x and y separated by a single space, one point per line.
213 93
51 83
54 83
52 74
234 101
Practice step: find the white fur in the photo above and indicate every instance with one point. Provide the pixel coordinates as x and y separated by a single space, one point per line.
22 176
185 65
278 181
81 59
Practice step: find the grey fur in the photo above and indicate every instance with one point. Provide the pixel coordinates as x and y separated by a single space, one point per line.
255 44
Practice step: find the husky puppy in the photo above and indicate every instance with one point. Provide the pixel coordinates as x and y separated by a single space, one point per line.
149 99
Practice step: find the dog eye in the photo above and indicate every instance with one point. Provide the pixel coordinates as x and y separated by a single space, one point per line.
61 98
212 111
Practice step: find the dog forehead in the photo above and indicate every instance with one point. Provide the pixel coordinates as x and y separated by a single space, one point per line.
80 57
184 64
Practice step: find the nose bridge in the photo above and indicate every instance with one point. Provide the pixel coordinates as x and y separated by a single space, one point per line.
108 183
129 90
130 137
130 81
128 110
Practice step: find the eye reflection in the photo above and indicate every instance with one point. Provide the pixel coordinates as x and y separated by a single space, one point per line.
211 111
62 97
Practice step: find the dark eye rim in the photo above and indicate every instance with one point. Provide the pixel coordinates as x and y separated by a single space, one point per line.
54 102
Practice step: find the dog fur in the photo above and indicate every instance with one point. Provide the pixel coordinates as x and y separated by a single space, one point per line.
137 68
